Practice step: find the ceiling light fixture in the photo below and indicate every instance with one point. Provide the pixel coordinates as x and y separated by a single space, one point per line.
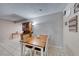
34 23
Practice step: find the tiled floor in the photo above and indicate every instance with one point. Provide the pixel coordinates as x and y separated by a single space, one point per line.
54 51
14 49
10 48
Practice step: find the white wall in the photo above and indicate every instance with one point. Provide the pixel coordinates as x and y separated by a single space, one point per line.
52 25
6 29
71 39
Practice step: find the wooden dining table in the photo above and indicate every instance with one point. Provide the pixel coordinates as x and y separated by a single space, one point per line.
34 41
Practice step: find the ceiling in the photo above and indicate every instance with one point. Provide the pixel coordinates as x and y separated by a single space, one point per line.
23 11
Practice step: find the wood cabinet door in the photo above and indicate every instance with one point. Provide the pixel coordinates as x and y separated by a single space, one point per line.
27 27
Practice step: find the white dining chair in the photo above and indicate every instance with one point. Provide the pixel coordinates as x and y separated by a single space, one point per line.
25 47
27 50
42 51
